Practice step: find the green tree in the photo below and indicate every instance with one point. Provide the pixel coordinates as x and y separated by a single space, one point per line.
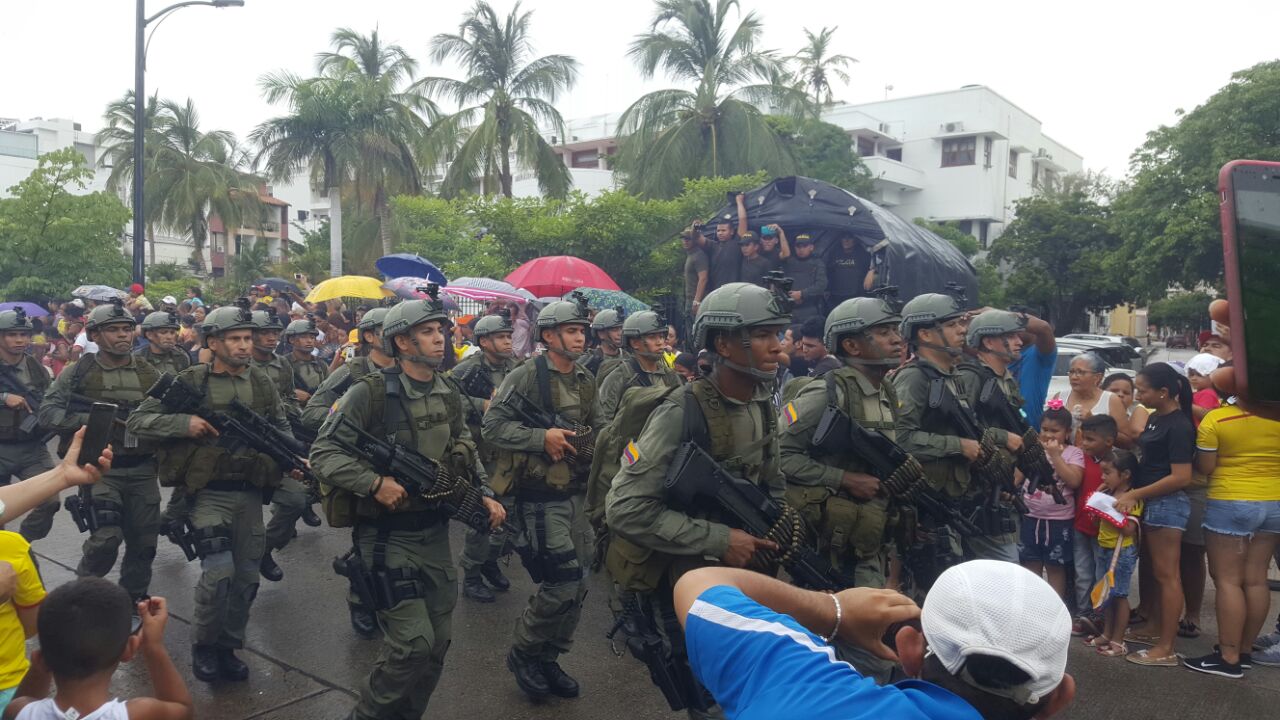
1183 312
963 241
818 65
506 95
1060 251
116 136
1168 217
824 152
55 239
251 263
309 251
716 128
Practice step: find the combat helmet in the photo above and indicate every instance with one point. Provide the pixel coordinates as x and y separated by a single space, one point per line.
160 320
855 316
565 312
608 319
492 324
373 319
738 306
227 318
411 313
994 323
304 326
108 314
16 319
927 310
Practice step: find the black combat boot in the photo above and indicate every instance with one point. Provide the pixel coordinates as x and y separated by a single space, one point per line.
269 569
363 622
204 662
231 667
528 672
493 575
558 680
473 587
309 516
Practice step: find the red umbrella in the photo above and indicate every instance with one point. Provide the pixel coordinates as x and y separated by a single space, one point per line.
558 275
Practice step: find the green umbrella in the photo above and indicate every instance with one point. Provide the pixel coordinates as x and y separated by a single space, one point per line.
598 299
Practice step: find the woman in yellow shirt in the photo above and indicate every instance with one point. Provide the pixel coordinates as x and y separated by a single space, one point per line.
1240 453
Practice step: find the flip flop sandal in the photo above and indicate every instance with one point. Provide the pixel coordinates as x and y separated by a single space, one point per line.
1188 629
1113 649
1142 657
1097 641
1141 638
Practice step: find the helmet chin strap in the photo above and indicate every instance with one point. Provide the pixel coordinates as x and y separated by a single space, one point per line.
952 351
760 376
570 355
1007 355
421 359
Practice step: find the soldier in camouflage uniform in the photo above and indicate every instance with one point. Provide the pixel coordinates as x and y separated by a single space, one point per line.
606 326
126 503
404 538
226 482
480 552
653 544
541 467
370 359
290 501
23 452
308 371
934 326
645 335
161 331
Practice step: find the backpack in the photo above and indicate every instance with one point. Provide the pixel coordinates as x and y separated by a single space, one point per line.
638 403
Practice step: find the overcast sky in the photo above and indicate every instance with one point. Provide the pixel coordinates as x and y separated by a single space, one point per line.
1098 75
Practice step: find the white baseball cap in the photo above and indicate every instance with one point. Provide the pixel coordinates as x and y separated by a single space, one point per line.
999 609
169 300
1204 363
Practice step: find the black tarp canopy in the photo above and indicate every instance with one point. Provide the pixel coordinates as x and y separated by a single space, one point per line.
908 256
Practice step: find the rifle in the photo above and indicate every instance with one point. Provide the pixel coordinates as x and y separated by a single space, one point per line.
300 382
673 677
991 466
9 383
419 475
477 383
1032 459
242 427
899 473
583 439
695 480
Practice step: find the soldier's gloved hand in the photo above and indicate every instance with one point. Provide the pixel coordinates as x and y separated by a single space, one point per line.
497 513
1013 442
16 402
743 546
390 494
199 427
556 443
860 485
970 449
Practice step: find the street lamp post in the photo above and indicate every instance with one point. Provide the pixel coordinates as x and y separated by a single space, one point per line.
140 120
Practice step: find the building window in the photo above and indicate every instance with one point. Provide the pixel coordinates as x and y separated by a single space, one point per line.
894 154
302 215
987 145
984 227
1013 163
586 159
959 151
866 147
966 226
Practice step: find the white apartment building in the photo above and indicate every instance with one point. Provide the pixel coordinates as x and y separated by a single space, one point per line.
959 155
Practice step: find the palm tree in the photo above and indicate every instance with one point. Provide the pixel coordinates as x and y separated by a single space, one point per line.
817 66
117 137
716 128
393 117
504 98
195 173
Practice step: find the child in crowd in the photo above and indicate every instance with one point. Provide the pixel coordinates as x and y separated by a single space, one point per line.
18 608
1045 536
87 628
1097 439
1118 543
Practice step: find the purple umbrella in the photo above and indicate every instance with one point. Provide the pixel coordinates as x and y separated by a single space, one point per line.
31 309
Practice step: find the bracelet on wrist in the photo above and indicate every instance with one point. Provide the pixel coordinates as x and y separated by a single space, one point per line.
839 615
377 485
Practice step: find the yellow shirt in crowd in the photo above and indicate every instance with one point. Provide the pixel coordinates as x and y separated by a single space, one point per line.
13 650
1108 534
1248 449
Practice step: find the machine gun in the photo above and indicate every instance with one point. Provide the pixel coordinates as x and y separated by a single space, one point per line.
1032 459
10 384
696 481
991 467
583 439
242 426
478 383
419 475
900 474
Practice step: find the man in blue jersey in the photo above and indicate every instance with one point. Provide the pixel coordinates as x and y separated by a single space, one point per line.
992 644
1034 369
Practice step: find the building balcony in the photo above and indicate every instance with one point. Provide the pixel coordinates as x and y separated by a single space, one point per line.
893 173
1044 158
860 124
960 128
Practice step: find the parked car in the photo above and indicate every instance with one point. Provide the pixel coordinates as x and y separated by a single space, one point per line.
1060 383
1126 339
1177 341
1115 354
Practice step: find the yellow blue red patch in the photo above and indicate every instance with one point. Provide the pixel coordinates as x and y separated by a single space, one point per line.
631 454
789 413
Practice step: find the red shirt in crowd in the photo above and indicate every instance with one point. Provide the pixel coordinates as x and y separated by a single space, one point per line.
1092 480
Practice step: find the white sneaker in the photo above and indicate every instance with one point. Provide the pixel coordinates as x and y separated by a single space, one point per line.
1265 641
1269 657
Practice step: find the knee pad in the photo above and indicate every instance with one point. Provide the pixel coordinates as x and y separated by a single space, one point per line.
213 540
107 512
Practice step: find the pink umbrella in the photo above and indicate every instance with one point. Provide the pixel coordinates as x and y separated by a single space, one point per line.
558 274
481 295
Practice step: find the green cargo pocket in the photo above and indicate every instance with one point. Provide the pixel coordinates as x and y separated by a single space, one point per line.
635 568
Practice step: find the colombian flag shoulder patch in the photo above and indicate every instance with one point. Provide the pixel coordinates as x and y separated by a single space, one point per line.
631 454
789 413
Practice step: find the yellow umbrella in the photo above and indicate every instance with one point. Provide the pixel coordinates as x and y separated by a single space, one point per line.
357 286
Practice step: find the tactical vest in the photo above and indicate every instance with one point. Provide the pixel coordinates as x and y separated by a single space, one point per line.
172 362
11 419
950 474
848 529
307 375
89 378
488 452
607 365
398 419
280 370
993 391
193 463
533 472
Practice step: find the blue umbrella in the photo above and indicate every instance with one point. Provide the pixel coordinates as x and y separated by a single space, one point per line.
31 309
409 265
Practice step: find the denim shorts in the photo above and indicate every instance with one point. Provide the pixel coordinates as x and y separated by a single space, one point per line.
1046 541
1124 567
1168 511
1242 518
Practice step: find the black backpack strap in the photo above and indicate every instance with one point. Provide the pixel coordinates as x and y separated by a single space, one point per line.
393 415
544 382
82 368
830 379
694 428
